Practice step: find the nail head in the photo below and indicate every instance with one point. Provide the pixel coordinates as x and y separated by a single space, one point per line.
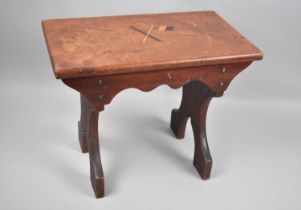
100 97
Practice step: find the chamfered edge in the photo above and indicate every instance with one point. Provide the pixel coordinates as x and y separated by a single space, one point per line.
65 73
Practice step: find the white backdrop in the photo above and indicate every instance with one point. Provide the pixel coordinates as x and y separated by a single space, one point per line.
253 130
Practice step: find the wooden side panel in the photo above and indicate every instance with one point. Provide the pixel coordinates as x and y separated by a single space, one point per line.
100 90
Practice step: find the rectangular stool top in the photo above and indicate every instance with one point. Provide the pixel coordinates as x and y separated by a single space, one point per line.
82 47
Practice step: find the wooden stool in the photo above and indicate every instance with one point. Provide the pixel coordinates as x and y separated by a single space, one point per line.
102 56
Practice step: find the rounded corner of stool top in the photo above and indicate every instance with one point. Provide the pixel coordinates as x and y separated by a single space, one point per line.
260 55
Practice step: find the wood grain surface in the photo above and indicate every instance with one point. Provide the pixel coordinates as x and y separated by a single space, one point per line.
97 46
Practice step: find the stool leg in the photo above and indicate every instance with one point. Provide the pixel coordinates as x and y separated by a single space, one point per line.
83 125
96 172
202 160
88 136
195 101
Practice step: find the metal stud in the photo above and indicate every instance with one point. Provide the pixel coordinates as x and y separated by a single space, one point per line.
224 69
221 84
100 97
99 82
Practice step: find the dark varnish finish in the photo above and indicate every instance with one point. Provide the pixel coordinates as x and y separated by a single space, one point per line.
101 56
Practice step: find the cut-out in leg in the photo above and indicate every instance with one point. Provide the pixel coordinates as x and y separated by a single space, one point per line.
179 118
195 100
90 120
